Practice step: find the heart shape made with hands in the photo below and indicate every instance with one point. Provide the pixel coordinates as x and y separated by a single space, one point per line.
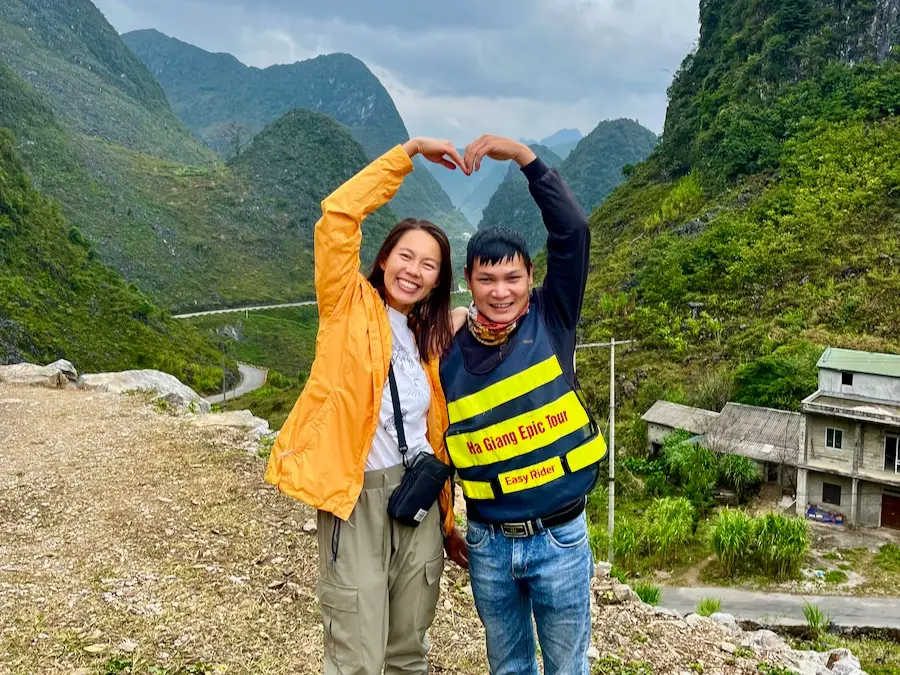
498 148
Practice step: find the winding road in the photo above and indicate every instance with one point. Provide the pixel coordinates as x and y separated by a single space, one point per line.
787 608
252 378
250 308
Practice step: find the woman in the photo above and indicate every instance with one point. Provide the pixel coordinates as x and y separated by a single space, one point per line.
338 450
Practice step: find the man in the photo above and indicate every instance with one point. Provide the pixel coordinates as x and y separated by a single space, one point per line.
524 446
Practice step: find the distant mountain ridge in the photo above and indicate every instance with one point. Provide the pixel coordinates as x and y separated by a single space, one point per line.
210 91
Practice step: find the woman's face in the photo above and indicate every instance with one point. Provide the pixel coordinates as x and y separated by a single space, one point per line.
411 270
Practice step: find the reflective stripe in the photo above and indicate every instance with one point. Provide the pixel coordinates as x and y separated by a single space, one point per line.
505 390
476 489
531 476
518 435
585 455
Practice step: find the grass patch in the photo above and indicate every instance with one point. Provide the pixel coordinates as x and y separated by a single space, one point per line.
647 592
888 558
835 577
708 606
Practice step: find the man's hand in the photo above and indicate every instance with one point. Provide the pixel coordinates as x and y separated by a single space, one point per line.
457 550
437 151
496 147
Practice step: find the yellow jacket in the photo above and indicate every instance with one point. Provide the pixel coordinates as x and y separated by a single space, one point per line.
319 456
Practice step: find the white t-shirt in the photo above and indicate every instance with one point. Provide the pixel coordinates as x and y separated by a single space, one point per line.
415 399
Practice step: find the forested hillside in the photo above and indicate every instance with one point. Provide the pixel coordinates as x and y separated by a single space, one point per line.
765 226
57 300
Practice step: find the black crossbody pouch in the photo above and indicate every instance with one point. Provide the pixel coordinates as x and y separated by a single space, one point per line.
423 477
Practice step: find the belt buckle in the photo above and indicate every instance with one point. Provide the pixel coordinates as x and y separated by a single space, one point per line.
517 530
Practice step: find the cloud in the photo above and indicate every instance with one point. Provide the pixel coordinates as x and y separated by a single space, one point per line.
523 67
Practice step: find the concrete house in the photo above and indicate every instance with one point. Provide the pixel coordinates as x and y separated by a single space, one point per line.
851 439
663 418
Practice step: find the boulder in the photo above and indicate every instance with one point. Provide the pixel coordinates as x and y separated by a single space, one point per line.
624 593
256 427
694 620
168 389
56 375
843 662
765 640
727 621
602 570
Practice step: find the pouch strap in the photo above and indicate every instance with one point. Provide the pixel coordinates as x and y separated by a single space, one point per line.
398 416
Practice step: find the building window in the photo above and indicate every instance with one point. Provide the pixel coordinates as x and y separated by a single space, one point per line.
831 494
892 454
834 439
847 379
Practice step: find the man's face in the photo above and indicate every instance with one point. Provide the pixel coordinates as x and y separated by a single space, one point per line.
500 292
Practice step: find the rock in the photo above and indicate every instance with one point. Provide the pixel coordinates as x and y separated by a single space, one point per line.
602 570
127 646
694 620
624 593
53 376
240 419
666 611
728 622
593 653
843 662
727 647
765 640
168 389
310 526
66 368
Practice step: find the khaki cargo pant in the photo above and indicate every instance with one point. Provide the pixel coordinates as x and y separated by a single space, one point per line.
378 584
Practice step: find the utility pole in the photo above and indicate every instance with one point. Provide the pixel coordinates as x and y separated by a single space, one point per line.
611 454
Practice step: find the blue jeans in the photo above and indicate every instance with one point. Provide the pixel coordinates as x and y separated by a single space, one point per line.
547 575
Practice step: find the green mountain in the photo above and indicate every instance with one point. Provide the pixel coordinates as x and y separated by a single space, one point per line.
188 236
219 98
764 226
592 170
513 206
67 51
595 165
489 178
57 300
290 173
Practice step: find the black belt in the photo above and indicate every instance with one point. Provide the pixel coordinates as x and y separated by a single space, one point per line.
528 528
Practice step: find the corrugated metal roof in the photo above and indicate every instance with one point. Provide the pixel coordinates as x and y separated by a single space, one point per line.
763 434
852 361
677 416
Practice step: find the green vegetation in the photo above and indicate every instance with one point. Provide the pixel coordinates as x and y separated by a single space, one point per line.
817 621
708 606
592 170
57 300
888 558
772 544
647 592
835 577
613 665
731 537
226 103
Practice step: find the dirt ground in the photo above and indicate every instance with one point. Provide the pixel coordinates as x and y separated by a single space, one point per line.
132 541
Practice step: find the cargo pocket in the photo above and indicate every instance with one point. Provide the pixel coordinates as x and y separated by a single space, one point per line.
431 589
340 618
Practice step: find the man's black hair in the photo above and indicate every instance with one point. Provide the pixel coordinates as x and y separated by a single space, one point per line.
495 245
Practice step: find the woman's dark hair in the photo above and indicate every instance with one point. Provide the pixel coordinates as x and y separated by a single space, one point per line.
429 319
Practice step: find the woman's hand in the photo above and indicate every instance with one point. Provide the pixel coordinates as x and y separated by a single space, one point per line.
457 549
435 150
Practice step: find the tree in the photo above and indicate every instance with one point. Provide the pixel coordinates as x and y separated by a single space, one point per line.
237 136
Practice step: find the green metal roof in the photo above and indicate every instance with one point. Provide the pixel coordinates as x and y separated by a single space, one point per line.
852 361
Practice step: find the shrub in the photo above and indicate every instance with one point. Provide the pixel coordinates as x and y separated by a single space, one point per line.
670 524
627 540
817 621
732 536
781 544
647 592
779 380
708 606
740 474
695 469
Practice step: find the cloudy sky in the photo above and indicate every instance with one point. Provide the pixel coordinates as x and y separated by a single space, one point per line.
458 68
